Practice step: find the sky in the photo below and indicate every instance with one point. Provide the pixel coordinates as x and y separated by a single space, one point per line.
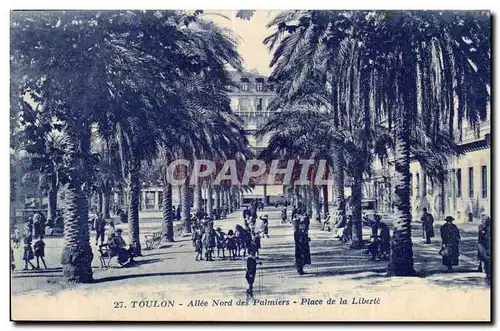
250 34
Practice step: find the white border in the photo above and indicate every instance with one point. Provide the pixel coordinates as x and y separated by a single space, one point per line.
191 4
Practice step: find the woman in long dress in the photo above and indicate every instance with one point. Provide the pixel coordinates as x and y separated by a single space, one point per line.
302 250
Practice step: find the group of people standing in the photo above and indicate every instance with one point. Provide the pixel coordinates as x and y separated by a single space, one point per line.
240 241
450 237
115 242
33 244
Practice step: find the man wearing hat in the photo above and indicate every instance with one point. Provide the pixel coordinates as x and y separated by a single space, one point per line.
265 225
427 226
100 228
450 236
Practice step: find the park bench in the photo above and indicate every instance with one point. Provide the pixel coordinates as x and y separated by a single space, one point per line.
153 240
105 256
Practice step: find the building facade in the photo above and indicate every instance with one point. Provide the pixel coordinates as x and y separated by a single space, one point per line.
250 99
465 192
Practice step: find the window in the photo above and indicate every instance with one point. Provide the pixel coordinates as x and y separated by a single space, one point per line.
243 104
484 182
459 183
259 84
418 185
160 198
244 86
449 183
471 182
259 104
411 184
150 200
424 186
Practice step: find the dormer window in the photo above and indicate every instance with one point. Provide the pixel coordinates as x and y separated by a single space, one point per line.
259 84
244 84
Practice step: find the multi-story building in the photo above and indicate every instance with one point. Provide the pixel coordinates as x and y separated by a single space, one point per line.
250 98
465 190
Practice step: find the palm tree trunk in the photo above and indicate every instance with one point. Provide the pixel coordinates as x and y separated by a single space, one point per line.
325 200
217 199
100 201
168 224
186 207
52 195
210 205
338 185
77 254
107 202
133 209
230 192
401 260
315 202
357 236
222 198
198 197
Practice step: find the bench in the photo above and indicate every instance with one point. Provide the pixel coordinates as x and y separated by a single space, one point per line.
105 256
153 240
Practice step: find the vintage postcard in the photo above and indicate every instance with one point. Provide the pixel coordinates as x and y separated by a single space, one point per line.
250 165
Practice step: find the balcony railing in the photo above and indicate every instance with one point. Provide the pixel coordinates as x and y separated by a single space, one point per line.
248 113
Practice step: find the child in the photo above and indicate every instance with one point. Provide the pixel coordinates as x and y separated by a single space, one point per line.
220 237
198 245
39 248
28 253
257 245
265 226
231 245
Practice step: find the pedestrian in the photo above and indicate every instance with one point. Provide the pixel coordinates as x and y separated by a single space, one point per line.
251 272
39 250
209 241
178 213
283 214
28 253
483 247
450 235
231 245
37 225
265 225
117 247
380 240
16 238
198 244
427 226
221 241
302 250
100 229
255 244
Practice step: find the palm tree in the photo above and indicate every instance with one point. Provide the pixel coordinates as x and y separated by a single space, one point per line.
115 75
399 55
